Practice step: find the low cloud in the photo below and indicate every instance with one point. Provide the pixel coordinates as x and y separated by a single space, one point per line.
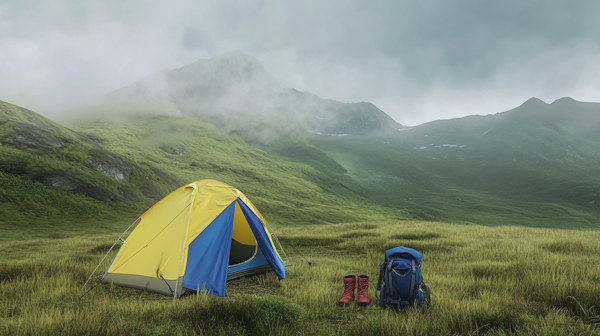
417 61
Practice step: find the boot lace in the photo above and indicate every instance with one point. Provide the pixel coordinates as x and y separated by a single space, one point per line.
362 287
348 290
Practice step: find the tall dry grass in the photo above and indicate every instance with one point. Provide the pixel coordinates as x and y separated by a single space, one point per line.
485 281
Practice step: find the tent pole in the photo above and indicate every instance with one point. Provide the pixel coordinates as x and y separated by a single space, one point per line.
183 243
278 243
121 236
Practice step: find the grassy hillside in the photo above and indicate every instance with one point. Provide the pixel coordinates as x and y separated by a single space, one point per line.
480 191
535 166
47 187
288 192
56 181
485 281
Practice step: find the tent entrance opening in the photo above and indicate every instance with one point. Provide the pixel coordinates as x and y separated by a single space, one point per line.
243 243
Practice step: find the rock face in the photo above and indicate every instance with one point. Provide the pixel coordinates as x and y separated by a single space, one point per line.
66 181
110 164
91 139
71 183
30 138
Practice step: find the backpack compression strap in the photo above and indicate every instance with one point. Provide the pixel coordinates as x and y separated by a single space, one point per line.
412 282
381 275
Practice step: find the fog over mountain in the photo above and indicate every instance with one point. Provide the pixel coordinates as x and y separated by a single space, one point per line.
234 91
417 61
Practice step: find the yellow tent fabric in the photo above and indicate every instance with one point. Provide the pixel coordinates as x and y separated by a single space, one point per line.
155 255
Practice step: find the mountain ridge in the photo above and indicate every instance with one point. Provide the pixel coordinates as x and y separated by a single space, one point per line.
235 92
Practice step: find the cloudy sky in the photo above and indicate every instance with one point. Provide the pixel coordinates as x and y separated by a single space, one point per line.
416 60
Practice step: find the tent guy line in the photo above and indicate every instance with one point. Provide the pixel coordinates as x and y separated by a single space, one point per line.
116 241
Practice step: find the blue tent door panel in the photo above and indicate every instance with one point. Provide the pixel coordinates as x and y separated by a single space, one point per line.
208 255
263 241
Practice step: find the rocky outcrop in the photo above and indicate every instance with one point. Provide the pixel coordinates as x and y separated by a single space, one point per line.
71 183
30 138
66 181
90 138
110 164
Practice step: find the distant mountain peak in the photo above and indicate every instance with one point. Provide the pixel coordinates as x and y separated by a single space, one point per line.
533 101
565 100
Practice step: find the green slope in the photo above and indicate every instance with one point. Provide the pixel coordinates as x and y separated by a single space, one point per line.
56 181
288 192
535 165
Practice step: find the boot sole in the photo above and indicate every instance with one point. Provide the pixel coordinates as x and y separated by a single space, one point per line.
363 304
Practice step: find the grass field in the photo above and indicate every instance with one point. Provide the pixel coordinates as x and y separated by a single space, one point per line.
485 281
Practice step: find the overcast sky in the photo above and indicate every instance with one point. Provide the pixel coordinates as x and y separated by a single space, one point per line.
416 60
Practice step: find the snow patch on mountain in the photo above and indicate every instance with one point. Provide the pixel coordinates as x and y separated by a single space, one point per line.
488 131
440 146
330 134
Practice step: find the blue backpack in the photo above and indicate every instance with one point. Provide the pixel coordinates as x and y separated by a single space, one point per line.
400 281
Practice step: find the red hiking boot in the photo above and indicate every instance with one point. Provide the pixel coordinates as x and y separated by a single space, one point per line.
349 284
363 289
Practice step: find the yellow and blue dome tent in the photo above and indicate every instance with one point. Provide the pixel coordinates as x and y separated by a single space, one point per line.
195 239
